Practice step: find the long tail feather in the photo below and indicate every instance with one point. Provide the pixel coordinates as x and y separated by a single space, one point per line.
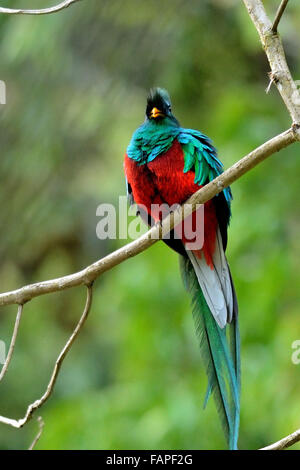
220 355
234 339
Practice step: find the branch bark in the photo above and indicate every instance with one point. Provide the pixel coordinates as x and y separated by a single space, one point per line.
284 443
280 73
43 11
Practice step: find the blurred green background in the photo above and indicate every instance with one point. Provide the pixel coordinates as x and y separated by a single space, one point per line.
76 87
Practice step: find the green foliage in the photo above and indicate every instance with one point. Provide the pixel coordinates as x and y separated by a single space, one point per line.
76 88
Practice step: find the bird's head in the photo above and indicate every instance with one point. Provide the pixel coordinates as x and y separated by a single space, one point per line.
159 106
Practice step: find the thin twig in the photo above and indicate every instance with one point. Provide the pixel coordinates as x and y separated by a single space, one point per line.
207 192
272 80
43 11
284 443
12 343
279 14
18 423
40 431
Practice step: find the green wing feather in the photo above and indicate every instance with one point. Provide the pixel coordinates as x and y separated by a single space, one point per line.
201 156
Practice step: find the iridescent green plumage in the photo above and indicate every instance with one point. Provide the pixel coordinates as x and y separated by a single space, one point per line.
152 139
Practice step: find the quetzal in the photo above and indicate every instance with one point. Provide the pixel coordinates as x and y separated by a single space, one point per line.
166 164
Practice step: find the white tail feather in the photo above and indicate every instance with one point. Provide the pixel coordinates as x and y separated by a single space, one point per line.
215 283
221 266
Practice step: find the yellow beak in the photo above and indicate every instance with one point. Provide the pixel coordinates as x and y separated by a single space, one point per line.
156 113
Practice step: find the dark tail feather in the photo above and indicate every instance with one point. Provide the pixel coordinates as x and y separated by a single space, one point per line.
222 361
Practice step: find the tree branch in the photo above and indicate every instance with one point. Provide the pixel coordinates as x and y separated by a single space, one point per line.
285 442
279 14
39 433
272 45
12 343
43 11
90 273
19 423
